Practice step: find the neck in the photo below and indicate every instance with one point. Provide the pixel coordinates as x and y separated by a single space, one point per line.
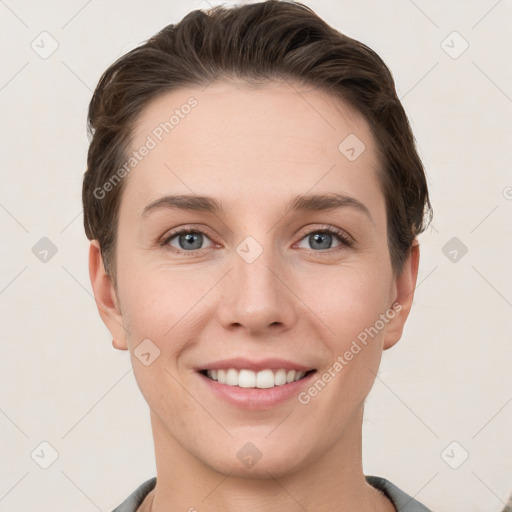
333 480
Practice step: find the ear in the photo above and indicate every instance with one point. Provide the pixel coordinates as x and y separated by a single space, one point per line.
405 284
105 297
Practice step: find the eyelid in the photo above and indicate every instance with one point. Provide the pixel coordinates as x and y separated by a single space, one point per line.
343 237
164 241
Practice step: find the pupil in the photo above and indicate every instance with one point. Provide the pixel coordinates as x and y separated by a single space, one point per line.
318 237
189 237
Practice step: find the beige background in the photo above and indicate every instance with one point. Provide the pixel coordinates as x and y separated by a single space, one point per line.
448 379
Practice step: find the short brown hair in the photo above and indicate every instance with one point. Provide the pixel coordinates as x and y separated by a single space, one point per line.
255 43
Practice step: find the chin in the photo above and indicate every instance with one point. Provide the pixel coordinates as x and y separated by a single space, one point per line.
249 462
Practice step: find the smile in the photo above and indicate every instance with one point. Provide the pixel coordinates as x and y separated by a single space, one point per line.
262 379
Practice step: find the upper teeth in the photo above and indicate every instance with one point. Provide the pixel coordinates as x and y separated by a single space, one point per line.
250 379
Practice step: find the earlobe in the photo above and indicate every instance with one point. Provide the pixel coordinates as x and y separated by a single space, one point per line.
405 285
105 297
116 344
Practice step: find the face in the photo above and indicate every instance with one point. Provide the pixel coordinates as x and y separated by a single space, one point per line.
272 273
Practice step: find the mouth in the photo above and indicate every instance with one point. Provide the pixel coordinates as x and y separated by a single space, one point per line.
263 379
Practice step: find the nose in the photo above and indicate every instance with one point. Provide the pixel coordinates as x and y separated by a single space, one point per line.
257 294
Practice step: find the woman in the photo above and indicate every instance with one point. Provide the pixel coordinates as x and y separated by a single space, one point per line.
253 198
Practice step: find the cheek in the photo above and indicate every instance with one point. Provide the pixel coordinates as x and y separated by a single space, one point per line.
165 306
162 321
349 300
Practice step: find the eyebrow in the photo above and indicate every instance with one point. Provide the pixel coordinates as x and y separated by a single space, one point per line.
312 203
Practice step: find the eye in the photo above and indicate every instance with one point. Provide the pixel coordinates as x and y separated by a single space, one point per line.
190 240
322 239
186 239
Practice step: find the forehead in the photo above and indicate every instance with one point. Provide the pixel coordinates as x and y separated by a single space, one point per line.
226 134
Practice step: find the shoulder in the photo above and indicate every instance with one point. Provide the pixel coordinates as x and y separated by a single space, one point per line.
133 502
402 501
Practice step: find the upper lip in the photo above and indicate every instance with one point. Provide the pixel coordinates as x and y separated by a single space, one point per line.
240 363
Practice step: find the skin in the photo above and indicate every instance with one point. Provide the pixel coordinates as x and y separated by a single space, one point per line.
253 149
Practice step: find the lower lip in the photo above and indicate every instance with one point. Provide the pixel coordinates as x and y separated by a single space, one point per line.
257 398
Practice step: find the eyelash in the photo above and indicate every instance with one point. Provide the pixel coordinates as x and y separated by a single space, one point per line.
342 237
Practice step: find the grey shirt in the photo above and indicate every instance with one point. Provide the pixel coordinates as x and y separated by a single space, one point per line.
402 501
